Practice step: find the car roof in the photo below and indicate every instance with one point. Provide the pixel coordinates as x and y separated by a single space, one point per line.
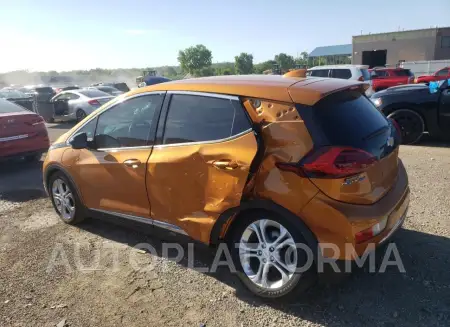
339 66
306 91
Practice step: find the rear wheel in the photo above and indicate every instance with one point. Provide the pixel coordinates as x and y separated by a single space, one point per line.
411 125
65 199
80 115
267 258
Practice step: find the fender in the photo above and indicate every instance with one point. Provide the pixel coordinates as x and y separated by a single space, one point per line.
54 167
262 204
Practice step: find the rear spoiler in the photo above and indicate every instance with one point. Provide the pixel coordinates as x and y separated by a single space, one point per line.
296 73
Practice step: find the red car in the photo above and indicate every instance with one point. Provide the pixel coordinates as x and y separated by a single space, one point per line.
383 78
440 75
22 133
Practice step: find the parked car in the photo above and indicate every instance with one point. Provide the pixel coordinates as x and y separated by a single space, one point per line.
440 75
107 89
120 86
40 92
77 104
260 162
417 110
351 72
65 88
18 97
384 77
22 133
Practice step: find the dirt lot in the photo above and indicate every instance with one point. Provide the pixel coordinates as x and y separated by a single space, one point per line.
115 292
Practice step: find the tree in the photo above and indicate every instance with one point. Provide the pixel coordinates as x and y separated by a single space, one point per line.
243 63
266 65
194 59
285 61
303 59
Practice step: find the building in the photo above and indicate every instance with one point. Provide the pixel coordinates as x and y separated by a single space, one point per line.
392 48
332 54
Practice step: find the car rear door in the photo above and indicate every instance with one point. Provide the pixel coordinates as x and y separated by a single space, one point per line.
444 108
202 162
111 174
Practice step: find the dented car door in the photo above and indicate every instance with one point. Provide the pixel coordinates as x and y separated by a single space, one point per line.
202 163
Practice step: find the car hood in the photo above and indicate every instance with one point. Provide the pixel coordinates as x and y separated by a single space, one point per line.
407 88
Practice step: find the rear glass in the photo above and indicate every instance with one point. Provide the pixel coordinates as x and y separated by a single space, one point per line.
7 107
347 119
403 72
365 73
93 93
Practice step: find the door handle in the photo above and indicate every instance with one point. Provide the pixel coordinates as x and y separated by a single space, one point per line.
225 164
133 163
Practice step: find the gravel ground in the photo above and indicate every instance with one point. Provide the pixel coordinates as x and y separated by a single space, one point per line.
126 287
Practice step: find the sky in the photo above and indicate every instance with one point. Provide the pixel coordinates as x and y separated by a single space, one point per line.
43 35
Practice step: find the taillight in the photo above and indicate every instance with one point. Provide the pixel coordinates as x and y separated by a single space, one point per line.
38 120
332 162
94 102
361 78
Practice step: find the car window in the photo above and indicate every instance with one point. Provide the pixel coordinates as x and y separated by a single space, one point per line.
380 73
128 124
403 72
341 73
443 72
72 96
63 96
93 93
319 72
193 118
88 128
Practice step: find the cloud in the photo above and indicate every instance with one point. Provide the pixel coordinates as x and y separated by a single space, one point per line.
140 31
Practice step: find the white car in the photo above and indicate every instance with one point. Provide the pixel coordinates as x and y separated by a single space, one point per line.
354 72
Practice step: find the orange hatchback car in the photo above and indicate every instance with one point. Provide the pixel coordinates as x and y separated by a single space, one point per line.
264 163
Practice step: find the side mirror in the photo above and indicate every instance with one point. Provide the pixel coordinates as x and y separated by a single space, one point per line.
79 141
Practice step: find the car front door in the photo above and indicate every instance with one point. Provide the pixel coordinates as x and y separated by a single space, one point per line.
111 173
201 164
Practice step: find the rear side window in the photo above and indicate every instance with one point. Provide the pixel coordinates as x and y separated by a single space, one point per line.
342 73
93 93
193 118
320 72
403 72
380 73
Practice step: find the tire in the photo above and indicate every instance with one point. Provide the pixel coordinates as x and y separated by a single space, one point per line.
60 187
411 124
50 120
80 115
272 287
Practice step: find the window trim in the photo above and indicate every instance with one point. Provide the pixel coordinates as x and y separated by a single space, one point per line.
166 108
98 113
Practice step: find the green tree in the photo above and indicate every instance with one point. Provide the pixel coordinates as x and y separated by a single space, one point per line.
285 61
194 59
266 65
243 63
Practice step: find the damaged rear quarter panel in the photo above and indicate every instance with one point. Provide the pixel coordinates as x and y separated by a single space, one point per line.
286 139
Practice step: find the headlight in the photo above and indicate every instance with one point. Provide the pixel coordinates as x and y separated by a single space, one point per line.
377 102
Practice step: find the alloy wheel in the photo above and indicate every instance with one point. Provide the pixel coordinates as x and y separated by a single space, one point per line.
63 199
268 254
81 115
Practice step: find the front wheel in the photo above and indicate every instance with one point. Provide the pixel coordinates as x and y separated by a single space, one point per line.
65 199
268 258
411 125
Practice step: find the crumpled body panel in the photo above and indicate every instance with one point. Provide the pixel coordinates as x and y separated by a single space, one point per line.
188 187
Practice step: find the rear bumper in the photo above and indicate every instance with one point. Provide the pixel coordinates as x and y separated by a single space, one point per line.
23 154
335 223
23 147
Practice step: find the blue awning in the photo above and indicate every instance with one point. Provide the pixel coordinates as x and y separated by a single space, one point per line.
332 50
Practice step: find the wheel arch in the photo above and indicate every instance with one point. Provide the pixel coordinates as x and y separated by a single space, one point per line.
53 169
228 220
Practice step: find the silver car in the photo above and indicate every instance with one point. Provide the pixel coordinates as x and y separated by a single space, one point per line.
77 104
